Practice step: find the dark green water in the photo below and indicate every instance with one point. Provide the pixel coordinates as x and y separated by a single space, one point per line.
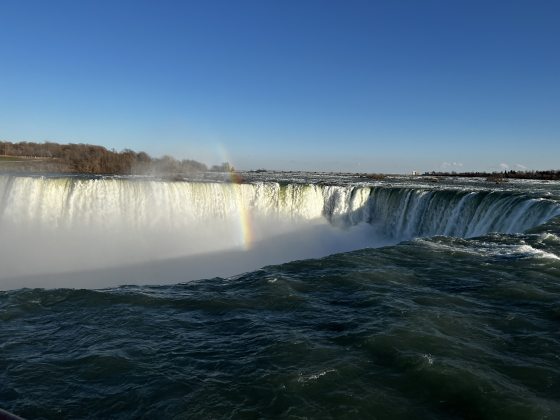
431 328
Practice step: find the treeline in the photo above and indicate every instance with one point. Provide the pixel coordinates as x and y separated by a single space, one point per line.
543 175
91 159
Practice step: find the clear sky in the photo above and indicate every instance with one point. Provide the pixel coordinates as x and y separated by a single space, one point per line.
387 86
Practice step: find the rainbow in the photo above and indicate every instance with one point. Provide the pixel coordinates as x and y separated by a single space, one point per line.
245 223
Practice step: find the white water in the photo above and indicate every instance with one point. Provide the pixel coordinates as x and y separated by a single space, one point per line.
52 225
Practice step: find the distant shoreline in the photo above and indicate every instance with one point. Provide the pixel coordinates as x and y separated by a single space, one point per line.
549 175
90 159
86 159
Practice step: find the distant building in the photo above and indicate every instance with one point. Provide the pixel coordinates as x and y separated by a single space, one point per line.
414 173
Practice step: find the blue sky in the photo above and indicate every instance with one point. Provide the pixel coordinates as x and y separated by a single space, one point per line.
387 86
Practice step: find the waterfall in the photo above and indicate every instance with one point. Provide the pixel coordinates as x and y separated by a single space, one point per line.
54 224
399 212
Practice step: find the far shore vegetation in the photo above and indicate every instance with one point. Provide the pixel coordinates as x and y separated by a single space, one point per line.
51 157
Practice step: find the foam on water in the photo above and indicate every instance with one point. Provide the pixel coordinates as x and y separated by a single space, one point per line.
528 250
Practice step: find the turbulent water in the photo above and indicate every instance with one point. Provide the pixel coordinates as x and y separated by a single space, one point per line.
409 299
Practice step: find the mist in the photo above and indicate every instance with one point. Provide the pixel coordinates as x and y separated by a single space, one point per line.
86 258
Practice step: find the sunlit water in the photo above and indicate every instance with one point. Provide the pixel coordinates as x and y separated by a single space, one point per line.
456 316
